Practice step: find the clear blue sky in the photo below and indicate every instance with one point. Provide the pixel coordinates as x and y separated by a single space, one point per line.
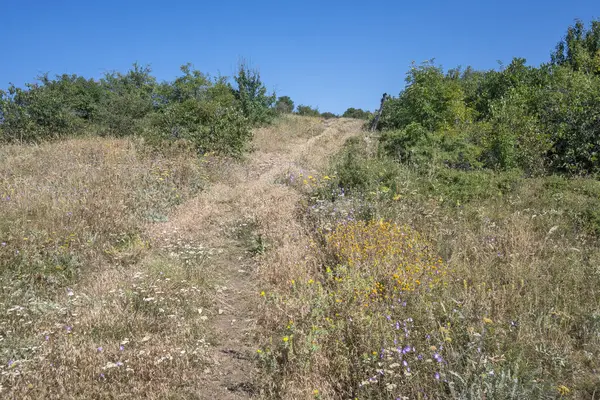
330 54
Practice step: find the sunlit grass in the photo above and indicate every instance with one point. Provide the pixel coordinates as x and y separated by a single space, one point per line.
479 286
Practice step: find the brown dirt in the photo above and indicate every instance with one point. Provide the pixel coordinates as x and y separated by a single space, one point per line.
243 202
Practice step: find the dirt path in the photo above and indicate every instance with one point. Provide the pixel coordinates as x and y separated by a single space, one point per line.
244 205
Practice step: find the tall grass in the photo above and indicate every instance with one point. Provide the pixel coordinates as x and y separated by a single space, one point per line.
84 312
512 310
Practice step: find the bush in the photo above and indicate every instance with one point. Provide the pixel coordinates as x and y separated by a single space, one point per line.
252 95
430 99
570 113
356 113
539 120
48 109
307 111
356 171
328 115
202 111
206 112
284 105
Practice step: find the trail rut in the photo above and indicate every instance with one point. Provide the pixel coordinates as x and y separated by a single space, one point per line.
245 202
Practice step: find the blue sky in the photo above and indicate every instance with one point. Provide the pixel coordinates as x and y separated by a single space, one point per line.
330 54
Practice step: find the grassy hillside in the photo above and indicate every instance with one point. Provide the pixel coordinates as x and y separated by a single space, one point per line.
436 283
453 253
85 300
193 239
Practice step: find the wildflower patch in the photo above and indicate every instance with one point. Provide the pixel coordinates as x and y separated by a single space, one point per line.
396 257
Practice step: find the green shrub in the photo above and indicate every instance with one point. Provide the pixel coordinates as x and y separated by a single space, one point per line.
356 171
42 110
252 95
127 100
411 144
206 112
570 111
328 115
537 119
307 111
284 105
356 113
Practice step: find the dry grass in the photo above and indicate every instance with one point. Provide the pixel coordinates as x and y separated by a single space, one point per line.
517 318
288 128
88 308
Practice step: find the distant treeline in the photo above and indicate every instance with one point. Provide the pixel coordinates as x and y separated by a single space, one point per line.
538 119
285 105
211 113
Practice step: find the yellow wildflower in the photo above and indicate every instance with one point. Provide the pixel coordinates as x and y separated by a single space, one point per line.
563 390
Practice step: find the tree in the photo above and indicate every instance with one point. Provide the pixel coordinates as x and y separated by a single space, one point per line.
128 99
580 48
430 99
252 95
328 115
284 105
308 111
356 113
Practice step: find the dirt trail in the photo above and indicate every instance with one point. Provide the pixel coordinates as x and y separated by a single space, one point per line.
246 201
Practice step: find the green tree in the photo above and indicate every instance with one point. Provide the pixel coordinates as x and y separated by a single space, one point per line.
580 48
569 111
308 111
356 113
202 110
128 99
430 99
328 115
252 95
284 105
49 107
